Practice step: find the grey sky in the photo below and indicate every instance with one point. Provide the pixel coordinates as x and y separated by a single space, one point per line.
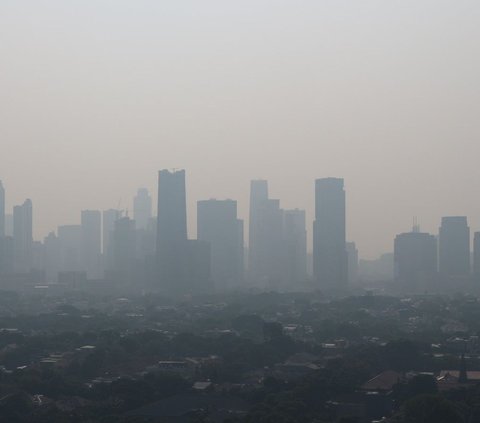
97 95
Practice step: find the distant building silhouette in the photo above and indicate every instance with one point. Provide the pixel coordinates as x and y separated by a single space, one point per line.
52 257
70 244
415 258
109 217
295 248
454 247
266 246
352 259
476 256
217 224
123 246
2 211
329 234
23 237
142 208
91 222
183 264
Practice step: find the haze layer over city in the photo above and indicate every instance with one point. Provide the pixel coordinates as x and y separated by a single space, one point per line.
98 96
239 211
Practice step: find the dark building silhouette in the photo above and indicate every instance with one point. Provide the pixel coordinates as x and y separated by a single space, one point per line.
142 208
172 210
217 224
476 256
2 211
329 234
266 246
70 245
415 258
454 247
123 247
109 217
183 265
295 247
91 222
22 237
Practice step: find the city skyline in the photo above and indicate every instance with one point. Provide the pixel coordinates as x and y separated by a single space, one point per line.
127 207
382 94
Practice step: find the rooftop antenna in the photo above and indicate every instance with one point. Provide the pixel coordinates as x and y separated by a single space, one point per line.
416 226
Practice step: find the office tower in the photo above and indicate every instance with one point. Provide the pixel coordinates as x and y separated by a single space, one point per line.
123 244
22 237
6 255
295 238
2 211
196 268
454 247
109 218
91 222
266 246
217 224
171 229
70 244
9 225
476 256
352 259
172 209
329 234
258 197
52 257
142 208
415 259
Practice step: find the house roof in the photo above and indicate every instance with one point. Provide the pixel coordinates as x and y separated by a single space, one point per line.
385 381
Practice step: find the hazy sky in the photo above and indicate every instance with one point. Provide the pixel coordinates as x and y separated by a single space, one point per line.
96 96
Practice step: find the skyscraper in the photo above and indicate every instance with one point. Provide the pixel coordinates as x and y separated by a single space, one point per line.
123 245
172 229
142 208
329 234
2 211
172 210
217 224
22 236
70 245
266 246
91 221
109 218
454 247
476 256
295 238
415 259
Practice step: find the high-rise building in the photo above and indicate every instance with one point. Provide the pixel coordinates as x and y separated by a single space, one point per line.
70 245
476 256
109 218
295 238
91 222
22 237
172 209
9 224
52 257
123 243
415 259
329 234
258 197
217 224
2 211
171 229
142 208
352 258
454 247
266 247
